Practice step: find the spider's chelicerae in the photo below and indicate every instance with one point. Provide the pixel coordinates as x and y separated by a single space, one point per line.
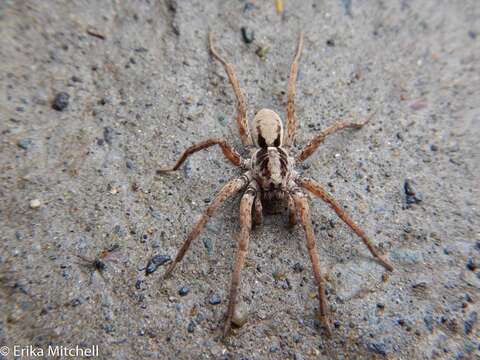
270 176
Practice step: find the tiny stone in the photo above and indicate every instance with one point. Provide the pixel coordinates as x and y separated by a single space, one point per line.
378 348
35 203
60 102
155 262
108 135
18 235
240 316
470 322
298 268
183 291
247 36
208 245
471 265
24 144
215 300
331 42
191 327
434 147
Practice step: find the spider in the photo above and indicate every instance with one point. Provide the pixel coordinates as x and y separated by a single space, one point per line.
269 175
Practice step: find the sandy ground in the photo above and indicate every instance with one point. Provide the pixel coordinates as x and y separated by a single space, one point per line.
78 176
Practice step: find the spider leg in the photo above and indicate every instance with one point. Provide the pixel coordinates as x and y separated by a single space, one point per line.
258 211
318 191
313 144
227 150
292 215
241 104
291 121
304 212
230 189
243 240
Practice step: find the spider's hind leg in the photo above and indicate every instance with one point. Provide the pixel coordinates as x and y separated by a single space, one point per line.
292 212
246 205
258 210
304 212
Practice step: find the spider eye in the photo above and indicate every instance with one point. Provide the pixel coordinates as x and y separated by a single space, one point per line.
261 141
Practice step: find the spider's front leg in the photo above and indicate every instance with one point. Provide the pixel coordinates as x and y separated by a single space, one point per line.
301 204
246 206
230 189
313 144
227 150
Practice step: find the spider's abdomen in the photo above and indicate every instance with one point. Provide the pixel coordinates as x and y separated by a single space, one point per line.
271 168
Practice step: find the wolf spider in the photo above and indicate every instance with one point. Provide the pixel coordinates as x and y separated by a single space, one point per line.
270 175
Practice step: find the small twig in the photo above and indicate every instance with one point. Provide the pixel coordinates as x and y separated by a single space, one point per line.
93 32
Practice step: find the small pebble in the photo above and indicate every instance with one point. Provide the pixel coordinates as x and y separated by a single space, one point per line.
191 327
378 348
155 262
331 42
108 135
412 197
247 35
35 203
24 143
470 322
471 265
208 245
60 102
298 268
434 147
215 300
240 316
262 52
183 291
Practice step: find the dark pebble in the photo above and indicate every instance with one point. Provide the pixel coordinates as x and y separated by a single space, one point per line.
381 305
472 34
155 262
138 284
129 164
428 320
60 102
378 348
215 300
434 147
471 265
183 291
108 134
298 268
249 7
208 245
18 235
76 79
76 302
191 327
331 42
247 35
412 197
108 328
470 322
24 143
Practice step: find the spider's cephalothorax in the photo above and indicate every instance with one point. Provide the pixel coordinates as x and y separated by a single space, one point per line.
270 175
271 166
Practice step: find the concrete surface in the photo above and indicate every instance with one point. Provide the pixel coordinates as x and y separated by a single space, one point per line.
141 87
